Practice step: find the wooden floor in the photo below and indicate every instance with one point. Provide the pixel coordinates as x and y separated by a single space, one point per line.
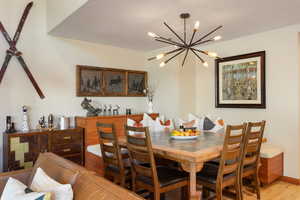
277 191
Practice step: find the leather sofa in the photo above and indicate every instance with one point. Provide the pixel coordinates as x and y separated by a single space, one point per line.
86 184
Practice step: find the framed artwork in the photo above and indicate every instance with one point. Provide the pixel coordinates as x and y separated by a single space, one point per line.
109 82
137 82
114 83
89 81
240 81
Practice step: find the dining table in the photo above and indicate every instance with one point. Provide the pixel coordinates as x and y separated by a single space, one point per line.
191 154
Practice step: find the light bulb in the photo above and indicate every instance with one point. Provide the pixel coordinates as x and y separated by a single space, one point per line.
217 38
160 56
205 64
197 24
212 54
162 64
152 34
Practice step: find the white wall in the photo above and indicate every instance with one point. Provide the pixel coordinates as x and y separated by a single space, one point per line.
282 89
59 10
52 62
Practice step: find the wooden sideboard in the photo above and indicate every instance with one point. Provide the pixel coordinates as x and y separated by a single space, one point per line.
93 162
20 150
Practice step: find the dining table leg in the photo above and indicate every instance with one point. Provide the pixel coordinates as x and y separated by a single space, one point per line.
192 168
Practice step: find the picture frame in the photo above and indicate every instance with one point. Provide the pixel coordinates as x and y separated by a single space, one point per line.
136 83
109 82
240 81
114 82
89 81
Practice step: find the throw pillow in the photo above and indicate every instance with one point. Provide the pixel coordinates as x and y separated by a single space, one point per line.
43 183
16 190
208 124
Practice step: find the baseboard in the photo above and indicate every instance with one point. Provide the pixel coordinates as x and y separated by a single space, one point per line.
291 180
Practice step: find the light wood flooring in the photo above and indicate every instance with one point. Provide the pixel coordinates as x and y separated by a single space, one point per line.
276 191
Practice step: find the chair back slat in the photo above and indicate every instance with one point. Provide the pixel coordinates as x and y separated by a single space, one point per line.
141 154
110 149
252 144
232 150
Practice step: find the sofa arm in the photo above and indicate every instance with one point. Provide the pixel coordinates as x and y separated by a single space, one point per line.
21 175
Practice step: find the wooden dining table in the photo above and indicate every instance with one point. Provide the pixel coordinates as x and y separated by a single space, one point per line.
191 154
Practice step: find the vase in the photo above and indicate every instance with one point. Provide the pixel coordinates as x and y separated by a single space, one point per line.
150 107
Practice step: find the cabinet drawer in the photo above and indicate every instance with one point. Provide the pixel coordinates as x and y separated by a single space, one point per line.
66 138
66 149
76 159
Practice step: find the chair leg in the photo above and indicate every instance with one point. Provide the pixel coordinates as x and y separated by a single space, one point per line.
238 191
205 192
256 185
219 194
156 195
184 193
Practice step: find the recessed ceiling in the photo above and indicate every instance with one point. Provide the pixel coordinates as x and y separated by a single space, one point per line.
125 23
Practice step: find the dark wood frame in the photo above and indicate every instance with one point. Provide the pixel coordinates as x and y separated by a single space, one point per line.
145 82
103 93
262 105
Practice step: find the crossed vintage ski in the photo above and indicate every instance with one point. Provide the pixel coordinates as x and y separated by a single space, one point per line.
13 51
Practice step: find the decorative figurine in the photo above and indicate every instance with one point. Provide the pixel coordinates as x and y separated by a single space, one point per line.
105 110
8 124
50 122
109 109
25 123
128 111
116 110
42 123
85 104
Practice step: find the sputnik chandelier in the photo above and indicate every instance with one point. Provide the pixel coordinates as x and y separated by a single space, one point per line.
183 45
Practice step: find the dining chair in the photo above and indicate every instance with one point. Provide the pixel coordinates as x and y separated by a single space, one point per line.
115 160
251 155
145 173
215 177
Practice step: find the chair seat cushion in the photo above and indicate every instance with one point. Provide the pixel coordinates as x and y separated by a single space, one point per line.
209 173
166 176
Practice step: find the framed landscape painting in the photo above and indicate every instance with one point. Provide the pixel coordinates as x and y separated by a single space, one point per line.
137 82
89 81
114 83
240 81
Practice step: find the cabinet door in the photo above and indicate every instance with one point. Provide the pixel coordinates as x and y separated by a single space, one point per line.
24 150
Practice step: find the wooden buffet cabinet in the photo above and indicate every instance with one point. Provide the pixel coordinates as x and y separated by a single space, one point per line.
22 149
93 162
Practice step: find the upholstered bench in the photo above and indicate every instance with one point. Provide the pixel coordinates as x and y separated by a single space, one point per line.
271 163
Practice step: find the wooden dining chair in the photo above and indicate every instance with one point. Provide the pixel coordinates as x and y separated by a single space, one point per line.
145 173
215 177
251 154
115 159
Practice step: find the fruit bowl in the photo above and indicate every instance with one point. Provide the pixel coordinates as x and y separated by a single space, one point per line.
185 135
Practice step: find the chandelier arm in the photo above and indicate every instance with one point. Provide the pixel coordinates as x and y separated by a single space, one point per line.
169 42
175 33
165 54
211 32
200 51
198 56
203 42
187 51
191 41
174 56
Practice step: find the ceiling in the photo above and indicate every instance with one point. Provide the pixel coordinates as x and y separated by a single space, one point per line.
125 23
